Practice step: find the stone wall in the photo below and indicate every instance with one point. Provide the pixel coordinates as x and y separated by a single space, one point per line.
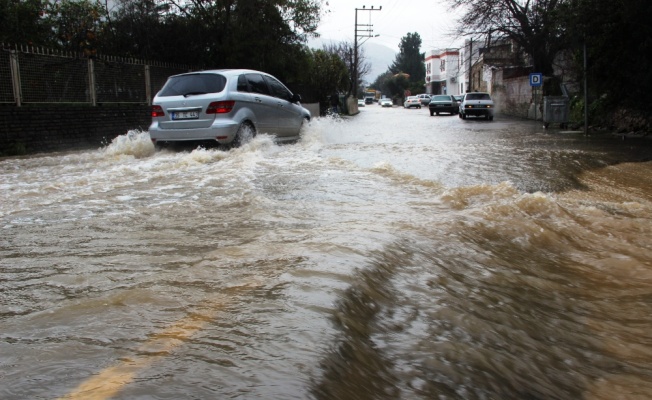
46 128
513 96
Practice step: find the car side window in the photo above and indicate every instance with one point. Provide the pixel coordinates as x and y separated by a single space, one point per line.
257 84
243 85
278 90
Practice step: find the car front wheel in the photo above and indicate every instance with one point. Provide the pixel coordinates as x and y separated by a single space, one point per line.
304 124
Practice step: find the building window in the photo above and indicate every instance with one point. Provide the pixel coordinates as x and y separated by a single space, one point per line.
442 66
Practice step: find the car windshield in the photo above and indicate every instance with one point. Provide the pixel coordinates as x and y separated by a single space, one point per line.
441 98
478 96
193 84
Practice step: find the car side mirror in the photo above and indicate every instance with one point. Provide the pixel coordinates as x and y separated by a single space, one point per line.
296 98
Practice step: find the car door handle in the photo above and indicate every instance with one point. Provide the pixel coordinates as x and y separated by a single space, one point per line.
258 99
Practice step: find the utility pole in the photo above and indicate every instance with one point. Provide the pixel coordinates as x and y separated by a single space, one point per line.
470 85
366 32
586 96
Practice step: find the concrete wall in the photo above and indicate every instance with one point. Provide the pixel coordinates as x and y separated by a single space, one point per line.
55 127
514 96
46 128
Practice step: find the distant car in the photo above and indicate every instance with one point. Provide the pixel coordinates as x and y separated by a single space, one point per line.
443 103
477 104
226 107
369 100
458 97
386 102
424 99
360 102
412 101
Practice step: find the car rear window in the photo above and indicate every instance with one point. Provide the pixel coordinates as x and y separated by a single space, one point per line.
193 84
478 96
441 98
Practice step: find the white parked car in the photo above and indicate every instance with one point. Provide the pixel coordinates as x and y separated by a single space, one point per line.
226 107
424 99
412 101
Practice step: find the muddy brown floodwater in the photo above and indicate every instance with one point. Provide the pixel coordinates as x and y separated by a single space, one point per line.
391 255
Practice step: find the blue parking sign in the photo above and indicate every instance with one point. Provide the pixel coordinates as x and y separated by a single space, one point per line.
536 79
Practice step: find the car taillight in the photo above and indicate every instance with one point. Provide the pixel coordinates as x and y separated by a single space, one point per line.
220 107
157 111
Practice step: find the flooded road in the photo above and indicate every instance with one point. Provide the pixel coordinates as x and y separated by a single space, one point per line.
391 255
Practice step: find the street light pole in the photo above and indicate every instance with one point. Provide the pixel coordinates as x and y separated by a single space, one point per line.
368 33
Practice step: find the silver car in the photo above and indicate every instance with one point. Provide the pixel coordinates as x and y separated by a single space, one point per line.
477 104
226 107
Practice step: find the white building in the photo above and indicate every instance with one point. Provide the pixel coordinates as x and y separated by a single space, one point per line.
442 71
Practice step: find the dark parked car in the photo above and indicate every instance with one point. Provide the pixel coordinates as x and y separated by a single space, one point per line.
226 107
443 103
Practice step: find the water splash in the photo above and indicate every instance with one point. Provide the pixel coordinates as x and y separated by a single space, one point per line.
135 143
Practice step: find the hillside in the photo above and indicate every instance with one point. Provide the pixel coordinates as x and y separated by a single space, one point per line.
379 57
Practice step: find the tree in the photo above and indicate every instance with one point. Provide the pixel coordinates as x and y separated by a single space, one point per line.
76 24
328 74
536 26
346 52
247 33
618 38
409 60
23 22
146 29
397 85
392 85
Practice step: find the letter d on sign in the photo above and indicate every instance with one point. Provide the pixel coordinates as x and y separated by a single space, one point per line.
536 79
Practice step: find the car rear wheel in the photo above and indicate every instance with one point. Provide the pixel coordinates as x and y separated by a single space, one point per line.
245 134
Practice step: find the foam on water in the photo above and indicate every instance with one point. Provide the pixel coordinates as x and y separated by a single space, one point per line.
135 143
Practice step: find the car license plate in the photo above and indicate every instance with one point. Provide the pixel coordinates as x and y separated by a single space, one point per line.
185 115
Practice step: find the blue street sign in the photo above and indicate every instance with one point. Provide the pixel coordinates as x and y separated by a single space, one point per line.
536 79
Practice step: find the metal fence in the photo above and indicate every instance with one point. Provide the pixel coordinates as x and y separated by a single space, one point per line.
33 75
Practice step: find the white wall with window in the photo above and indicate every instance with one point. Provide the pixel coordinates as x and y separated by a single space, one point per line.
442 70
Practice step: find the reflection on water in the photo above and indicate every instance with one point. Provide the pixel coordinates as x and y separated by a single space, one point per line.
344 266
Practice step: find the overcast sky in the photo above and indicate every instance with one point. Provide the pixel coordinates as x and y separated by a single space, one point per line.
431 19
